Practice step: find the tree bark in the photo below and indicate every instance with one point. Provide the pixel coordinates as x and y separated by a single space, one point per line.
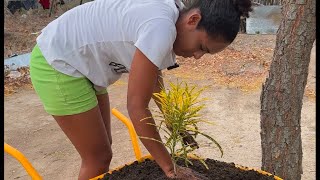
282 93
243 24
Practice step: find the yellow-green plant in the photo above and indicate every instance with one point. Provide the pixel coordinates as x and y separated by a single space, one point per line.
179 119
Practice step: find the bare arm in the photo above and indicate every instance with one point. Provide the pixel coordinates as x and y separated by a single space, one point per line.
142 80
187 138
157 88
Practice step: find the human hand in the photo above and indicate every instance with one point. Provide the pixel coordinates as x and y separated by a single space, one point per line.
184 173
187 138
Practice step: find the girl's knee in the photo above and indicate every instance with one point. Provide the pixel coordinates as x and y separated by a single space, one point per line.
93 166
110 141
99 159
107 158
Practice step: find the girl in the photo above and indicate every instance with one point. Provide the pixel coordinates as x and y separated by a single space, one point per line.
82 52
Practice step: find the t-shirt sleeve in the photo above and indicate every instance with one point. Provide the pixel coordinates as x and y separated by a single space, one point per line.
155 40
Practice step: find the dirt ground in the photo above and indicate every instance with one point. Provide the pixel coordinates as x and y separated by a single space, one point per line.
233 78
236 114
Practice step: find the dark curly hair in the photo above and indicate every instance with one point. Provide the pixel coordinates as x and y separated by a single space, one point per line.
220 18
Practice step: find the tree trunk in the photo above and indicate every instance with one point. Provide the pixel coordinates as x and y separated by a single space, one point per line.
282 93
243 25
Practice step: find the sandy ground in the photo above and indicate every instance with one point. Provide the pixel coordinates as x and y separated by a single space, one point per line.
235 112
233 76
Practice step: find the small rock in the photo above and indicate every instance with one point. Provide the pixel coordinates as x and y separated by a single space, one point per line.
24 16
13 55
6 72
14 74
29 12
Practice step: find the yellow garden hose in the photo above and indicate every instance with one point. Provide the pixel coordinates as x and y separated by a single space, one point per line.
132 132
23 160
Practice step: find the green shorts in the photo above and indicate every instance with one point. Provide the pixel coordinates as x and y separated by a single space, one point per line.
61 94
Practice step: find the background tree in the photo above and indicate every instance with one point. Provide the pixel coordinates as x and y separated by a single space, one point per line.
282 93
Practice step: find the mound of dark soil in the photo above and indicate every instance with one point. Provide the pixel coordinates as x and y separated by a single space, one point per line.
149 170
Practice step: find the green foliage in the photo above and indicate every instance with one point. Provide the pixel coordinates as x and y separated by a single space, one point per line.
180 116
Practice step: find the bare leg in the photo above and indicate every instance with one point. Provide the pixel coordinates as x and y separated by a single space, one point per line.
88 134
104 106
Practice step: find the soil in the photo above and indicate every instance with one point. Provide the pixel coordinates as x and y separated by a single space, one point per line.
233 79
217 171
16 79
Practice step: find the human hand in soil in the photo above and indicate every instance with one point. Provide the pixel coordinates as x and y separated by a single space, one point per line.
187 138
184 173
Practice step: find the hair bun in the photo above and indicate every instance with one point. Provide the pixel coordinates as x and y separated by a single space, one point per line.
243 7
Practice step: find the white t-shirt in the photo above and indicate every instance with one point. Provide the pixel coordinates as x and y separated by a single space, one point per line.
98 39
